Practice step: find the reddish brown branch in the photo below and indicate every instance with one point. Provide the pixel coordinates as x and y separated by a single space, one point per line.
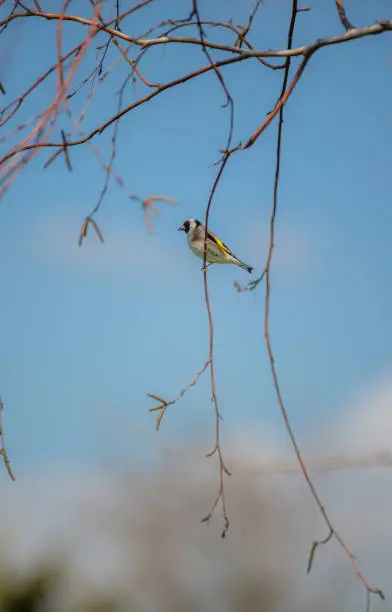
76 122
332 531
217 448
46 124
124 54
17 103
164 404
245 30
281 102
84 229
306 51
60 78
343 16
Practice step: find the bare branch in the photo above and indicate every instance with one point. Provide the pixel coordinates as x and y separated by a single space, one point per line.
217 448
83 230
351 34
227 26
3 451
315 544
280 104
17 103
305 51
332 531
342 15
245 31
46 124
113 153
163 404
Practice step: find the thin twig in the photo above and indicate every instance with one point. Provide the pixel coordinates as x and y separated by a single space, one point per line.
282 100
124 53
332 531
3 451
315 545
17 103
227 26
84 229
146 203
245 31
164 404
343 16
113 153
217 448
250 286
117 23
66 155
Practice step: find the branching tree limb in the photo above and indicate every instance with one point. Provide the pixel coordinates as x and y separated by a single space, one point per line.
306 51
279 107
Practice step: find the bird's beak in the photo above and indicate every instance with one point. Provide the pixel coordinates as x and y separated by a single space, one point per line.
181 228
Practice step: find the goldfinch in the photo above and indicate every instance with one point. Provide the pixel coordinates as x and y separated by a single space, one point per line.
216 251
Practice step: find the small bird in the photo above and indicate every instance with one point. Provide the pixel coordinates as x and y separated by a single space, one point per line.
216 251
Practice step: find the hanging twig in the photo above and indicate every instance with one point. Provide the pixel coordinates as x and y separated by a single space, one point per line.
332 531
3 451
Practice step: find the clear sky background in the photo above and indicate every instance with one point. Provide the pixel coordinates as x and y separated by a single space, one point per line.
87 332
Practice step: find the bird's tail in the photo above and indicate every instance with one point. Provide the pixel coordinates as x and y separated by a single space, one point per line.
246 267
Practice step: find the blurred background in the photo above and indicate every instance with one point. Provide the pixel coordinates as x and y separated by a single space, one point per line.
105 512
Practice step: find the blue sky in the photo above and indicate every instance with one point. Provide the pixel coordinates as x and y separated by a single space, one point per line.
87 333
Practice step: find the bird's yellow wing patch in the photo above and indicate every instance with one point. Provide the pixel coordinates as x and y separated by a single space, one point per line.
219 242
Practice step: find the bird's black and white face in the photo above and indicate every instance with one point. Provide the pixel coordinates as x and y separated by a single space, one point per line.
189 225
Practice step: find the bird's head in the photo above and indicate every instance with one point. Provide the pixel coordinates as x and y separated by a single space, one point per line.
189 225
